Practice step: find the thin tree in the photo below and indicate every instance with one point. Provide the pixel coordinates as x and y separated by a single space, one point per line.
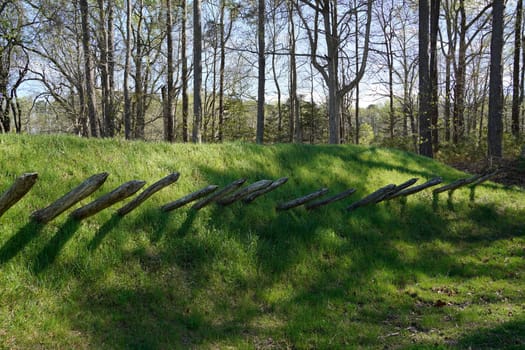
169 125
516 71
184 72
197 74
262 70
127 69
425 87
88 66
495 124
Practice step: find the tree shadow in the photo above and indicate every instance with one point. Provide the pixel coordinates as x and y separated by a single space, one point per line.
16 243
50 252
508 335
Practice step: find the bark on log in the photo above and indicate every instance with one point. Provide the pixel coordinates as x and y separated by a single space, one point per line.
397 189
323 202
220 194
69 199
432 182
302 200
456 184
189 198
243 192
148 192
17 191
485 177
120 193
250 198
372 197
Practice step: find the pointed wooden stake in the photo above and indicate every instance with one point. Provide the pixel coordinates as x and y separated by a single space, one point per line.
250 198
122 192
220 194
69 199
372 197
297 202
243 192
397 189
456 184
189 198
148 192
432 182
337 197
17 191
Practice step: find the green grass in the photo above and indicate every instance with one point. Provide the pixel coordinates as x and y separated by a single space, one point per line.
412 274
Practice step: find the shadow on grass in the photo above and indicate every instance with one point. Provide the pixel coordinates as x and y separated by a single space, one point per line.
509 335
50 252
16 243
103 231
246 274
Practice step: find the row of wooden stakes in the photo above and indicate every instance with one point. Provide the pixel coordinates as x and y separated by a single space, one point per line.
207 195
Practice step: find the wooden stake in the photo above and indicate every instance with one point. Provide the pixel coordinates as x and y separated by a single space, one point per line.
189 198
148 192
432 182
456 184
120 193
17 191
69 199
220 194
243 192
337 197
297 202
397 189
372 197
250 198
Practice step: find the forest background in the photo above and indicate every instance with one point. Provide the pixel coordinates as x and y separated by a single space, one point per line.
398 73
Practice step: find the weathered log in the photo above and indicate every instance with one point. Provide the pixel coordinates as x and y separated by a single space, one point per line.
250 198
485 177
397 189
337 197
69 199
148 192
302 200
17 191
432 182
220 194
189 198
243 192
372 197
122 192
456 184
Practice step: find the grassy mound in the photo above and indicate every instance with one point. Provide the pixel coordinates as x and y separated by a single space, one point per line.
400 274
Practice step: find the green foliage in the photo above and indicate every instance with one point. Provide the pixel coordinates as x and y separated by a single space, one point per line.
403 274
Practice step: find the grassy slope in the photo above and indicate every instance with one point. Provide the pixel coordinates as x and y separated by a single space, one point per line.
394 275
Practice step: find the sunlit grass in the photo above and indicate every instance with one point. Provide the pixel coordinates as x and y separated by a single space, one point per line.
414 274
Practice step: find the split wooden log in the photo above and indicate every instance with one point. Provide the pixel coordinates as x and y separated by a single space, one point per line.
456 184
189 198
250 198
243 192
220 194
398 189
302 200
120 193
372 197
148 192
337 197
17 191
432 182
485 177
74 196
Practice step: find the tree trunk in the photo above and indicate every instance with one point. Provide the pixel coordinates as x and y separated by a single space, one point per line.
459 90
425 87
197 72
262 69
169 123
516 71
88 67
127 69
434 103
495 125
